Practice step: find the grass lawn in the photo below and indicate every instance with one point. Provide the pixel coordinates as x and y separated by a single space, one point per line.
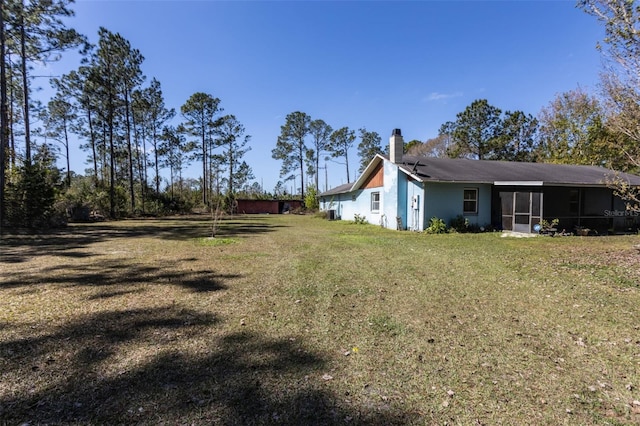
296 320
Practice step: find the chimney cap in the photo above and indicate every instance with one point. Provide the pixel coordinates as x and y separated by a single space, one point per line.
396 132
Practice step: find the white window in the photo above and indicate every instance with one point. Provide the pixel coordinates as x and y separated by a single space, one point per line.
470 201
375 202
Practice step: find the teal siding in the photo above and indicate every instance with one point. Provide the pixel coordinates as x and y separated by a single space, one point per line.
352 203
391 172
362 205
415 216
445 201
442 200
397 196
402 200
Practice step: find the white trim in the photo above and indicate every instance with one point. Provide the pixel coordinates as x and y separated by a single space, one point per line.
378 201
476 200
518 183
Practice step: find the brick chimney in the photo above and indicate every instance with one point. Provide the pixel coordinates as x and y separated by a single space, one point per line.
396 146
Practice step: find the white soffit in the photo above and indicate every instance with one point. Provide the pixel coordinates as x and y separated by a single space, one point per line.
518 183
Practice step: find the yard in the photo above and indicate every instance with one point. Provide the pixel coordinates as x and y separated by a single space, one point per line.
296 320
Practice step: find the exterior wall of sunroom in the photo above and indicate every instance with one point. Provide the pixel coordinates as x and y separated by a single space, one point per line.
595 209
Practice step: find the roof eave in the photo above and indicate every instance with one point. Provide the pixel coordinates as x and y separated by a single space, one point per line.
367 171
404 169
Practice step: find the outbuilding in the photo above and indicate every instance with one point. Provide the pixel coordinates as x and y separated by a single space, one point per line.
254 206
403 192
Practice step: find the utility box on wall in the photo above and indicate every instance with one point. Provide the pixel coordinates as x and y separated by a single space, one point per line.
415 202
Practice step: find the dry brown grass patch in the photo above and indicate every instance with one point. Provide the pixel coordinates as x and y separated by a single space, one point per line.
295 320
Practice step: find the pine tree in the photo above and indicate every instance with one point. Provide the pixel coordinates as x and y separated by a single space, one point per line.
341 141
201 114
291 147
320 134
38 34
59 117
369 146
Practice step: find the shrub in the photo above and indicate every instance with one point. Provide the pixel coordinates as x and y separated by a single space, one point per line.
475 228
548 227
360 219
30 197
311 198
436 226
459 224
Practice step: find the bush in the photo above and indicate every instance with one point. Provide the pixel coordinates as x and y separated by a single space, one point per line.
459 224
30 197
436 226
360 219
311 198
476 229
547 227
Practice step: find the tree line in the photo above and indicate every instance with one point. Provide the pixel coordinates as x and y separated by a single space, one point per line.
304 142
123 122
573 128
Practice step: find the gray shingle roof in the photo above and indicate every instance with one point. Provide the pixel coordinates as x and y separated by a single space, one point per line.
429 169
484 171
338 189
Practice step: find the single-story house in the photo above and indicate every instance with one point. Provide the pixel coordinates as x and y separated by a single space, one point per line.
404 192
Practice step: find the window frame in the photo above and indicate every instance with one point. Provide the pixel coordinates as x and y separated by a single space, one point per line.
377 194
465 200
574 202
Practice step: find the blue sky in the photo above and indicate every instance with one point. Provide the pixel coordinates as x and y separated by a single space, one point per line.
376 64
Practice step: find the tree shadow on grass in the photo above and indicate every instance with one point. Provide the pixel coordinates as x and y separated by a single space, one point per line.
167 366
117 277
181 228
71 242
75 241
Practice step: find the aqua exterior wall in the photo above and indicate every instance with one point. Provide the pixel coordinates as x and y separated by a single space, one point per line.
402 210
362 205
399 190
445 201
396 201
414 212
390 191
357 202
342 204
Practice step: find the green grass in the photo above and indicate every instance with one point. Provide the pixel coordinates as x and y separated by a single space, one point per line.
296 320
209 241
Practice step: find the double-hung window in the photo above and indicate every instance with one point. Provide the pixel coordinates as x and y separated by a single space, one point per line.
470 201
375 202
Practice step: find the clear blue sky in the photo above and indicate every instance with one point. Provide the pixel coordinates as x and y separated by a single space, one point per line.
376 64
